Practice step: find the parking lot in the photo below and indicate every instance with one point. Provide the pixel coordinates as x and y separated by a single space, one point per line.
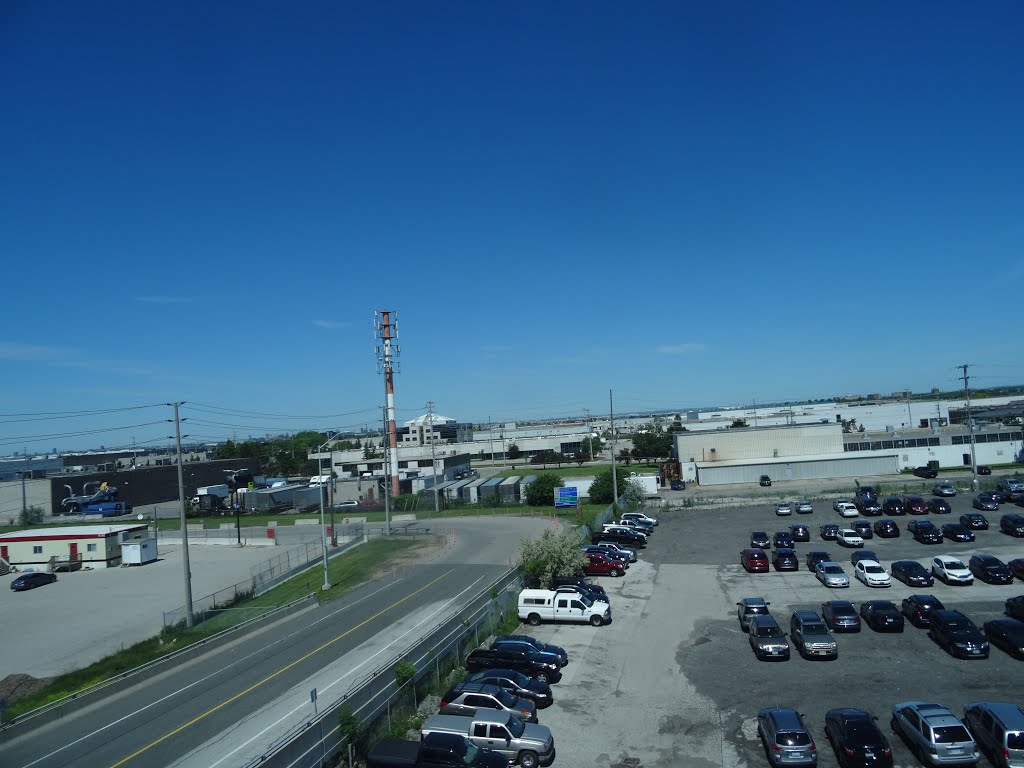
672 680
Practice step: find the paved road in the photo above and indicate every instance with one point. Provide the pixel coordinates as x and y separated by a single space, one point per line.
204 701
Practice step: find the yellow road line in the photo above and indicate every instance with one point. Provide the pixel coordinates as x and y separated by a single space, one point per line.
271 676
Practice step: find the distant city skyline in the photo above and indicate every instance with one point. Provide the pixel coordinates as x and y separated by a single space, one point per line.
687 204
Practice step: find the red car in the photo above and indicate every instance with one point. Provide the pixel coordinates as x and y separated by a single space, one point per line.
915 505
599 565
754 560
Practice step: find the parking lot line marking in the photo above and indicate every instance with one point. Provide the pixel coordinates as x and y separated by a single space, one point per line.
271 676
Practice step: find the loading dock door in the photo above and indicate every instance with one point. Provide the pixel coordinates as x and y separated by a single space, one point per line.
967 459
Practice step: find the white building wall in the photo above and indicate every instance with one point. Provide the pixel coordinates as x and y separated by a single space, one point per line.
733 444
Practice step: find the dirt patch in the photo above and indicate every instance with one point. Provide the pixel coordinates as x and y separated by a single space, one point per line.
19 686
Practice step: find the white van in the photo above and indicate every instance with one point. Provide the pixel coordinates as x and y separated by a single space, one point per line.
537 605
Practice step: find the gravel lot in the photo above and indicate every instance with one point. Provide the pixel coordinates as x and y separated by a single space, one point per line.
672 681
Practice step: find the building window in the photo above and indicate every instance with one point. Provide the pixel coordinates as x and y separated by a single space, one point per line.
90 547
37 549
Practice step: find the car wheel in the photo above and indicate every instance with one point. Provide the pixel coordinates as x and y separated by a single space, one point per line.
616 573
543 677
528 759
533 619
596 620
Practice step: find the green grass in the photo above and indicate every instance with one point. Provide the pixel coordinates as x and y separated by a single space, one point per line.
345 572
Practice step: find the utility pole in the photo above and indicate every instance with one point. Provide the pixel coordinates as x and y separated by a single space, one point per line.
189 618
490 437
387 478
321 487
910 418
433 457
970 427
611 417
755 411
590 432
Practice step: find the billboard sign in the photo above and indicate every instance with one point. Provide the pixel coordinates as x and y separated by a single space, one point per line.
565 497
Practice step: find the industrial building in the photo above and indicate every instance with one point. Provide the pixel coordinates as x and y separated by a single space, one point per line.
68 547
824 450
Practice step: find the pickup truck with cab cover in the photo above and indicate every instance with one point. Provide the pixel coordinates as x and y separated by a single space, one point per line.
435 750
525 744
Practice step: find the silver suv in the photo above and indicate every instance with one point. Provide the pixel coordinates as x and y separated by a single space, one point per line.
1011 488
786 739
811 637
767 638
467 698
934 733
999 729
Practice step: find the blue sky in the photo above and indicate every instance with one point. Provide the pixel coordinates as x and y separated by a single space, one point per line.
690 204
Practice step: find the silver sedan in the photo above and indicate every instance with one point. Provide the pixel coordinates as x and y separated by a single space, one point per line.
831 574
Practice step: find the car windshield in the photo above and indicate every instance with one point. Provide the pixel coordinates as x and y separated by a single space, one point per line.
960 627
863 733
1015 740
586 600
769 632
833 569
874 569
515 725
793 739
815 629
843 610
954 564
506 698
950 734
472 753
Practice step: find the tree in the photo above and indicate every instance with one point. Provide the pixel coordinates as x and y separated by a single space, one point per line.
541 492
513 452
589 448
601 490
738 424
652 441
625 457
550 555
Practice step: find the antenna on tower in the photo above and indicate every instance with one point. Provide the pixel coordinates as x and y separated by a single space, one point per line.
385 331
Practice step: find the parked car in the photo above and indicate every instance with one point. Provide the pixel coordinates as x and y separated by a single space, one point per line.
1016 567
990 569
911 573
918 608
856 739
465 699
868 507
893 506
882 615
783 508
587 587
1011 488
785 737
926 472
782 539
814 557
831 574
32 580
939 506
866 493
886 528
840 616
760 540
951 570
622 549
924 531
975 521
799 532
764 481
620 536
542 666
872 574
999 730
984 470
598 564
804 508
1012 524
641 517
566 603
616 557
754 560
437 750
863 529
1014 607
957 532
915 505
845 507
811 637
828 531
524 744
637 525
986 502
862 554
1007 635
526 642
933 731
944 489
849 538
516 683
767 639
785 559
956 633
749 607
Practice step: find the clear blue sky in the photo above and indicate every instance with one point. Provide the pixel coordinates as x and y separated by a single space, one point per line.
690 203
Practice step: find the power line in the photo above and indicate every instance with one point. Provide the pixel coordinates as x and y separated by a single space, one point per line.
5 418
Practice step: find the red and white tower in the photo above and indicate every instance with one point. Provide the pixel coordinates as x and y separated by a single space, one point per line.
386 332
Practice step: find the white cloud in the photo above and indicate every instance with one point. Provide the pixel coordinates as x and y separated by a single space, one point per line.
331 324
680 349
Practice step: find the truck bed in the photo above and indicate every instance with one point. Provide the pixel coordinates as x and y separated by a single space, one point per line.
393 753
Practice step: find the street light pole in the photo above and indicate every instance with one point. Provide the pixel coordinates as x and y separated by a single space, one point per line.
970 429
323 530
433 458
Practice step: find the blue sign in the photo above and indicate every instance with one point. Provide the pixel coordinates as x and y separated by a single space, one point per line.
565 497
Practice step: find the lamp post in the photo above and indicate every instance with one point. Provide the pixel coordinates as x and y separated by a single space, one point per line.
330 476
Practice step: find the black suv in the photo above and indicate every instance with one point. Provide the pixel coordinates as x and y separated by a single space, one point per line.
868 507
957 634
582 584
917 608
1012 524
856 739
990 569
515 682
525 641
